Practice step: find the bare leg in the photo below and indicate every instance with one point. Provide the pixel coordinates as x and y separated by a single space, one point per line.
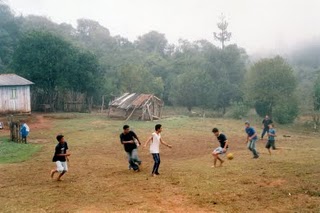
221 161
269 151
215 157
53 172
61 174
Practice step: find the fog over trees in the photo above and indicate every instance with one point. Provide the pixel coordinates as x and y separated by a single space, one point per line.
66 61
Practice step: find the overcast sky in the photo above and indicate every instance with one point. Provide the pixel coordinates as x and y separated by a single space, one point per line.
257 25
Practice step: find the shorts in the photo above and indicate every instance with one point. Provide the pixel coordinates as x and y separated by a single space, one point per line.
62 166
270 144
219 150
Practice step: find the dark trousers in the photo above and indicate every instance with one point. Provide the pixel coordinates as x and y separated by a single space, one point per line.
265 130
156 158
131 160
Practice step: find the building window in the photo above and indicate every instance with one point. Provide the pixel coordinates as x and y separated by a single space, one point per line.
14 93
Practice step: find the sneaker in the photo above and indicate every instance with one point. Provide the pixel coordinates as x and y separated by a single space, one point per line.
255 157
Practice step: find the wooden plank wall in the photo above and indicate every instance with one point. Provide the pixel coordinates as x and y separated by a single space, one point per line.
20 104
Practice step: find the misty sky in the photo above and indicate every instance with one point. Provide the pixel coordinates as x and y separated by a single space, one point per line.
257 25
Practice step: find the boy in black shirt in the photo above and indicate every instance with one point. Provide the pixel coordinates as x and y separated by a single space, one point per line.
60 157
221 149
127 138
266 122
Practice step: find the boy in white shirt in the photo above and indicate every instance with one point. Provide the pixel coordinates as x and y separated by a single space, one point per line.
155 140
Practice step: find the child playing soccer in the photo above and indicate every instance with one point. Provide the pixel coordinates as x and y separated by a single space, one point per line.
155 140
271 138
221 149
251 139
60 157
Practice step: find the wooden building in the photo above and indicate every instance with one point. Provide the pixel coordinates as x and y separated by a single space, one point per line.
136 106
14 94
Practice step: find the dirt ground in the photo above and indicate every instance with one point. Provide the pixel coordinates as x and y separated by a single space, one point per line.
99 180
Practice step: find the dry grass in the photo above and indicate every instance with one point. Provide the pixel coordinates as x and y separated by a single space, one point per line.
98 180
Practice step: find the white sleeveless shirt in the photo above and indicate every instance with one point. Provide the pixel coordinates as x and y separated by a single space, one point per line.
155 143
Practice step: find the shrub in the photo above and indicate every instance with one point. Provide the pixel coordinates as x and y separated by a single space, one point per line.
286 111
239 110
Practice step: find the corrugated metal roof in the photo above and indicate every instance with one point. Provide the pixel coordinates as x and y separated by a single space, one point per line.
127 100
13 80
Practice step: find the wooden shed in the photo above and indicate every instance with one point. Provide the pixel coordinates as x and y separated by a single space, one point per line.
14 94
136 106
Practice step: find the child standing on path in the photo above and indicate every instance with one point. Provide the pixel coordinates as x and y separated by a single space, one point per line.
155 140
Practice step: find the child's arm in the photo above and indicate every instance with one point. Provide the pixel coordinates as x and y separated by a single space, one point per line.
254 135
148 141
67 154
272 134
247 139
125 142
225 146
164 143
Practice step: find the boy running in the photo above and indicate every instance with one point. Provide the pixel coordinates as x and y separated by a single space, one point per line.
60 157
127 138
271 138
155 140
251 139
221 149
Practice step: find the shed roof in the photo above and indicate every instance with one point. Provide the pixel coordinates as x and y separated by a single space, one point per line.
131 100
13 80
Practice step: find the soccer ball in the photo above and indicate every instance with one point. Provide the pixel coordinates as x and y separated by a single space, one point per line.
230 156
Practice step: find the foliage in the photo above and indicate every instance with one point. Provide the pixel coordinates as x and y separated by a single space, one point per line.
263 108
317 94
269 83
9 36
239 110
53 64
223 35
286 111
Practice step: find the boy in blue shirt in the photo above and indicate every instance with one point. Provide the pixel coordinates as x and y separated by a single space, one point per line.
271 138
251 139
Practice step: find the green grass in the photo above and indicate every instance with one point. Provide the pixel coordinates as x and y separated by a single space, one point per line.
11 152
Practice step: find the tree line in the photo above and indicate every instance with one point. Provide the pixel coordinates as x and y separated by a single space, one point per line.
88 62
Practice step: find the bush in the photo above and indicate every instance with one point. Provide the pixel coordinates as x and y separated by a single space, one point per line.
239 110
286 112
262 108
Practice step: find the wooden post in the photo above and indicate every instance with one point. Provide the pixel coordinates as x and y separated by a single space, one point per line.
131 113
150 115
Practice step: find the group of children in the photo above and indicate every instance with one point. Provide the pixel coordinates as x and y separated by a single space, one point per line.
252 138
131 142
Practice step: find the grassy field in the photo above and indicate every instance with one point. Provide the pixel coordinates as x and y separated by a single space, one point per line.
16 152
99 180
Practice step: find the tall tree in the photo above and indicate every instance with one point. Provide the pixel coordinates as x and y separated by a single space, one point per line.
53 64
152 42
9 36
317 93
270 83
223 36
